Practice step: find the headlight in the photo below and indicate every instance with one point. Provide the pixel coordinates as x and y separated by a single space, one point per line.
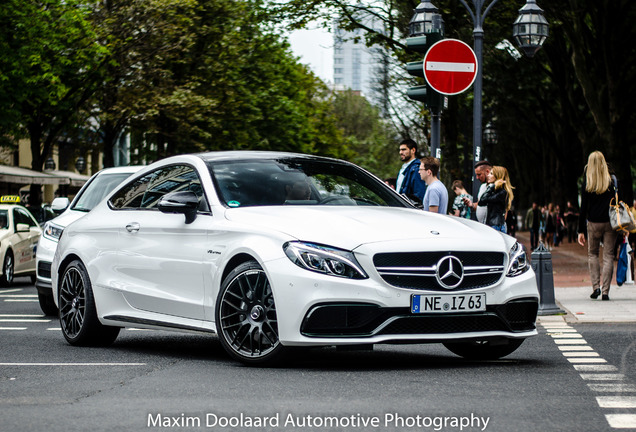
518 262
52 231
324 259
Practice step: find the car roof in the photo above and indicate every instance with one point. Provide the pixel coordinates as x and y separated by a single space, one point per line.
256 154
120 169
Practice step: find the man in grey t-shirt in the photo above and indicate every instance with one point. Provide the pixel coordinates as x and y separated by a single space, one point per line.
436 196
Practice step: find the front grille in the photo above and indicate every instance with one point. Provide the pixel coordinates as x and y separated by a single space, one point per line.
44 269
359 320
417 270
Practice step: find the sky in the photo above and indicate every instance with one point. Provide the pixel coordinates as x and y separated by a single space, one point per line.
315 48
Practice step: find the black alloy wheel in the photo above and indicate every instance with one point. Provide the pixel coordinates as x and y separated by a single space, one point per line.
78 315
246 318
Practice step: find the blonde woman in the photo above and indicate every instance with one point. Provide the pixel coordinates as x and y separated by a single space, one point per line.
497 198
596 194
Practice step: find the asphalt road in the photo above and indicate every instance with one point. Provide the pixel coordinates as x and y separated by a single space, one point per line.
155 380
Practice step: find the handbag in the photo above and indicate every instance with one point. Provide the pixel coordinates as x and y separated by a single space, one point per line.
622 264
621 217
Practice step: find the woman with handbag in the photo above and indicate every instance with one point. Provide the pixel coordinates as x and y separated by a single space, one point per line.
596 193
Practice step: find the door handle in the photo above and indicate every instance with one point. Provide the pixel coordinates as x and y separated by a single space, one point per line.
132 227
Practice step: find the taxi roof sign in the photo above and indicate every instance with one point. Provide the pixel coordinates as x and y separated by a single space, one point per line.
11 199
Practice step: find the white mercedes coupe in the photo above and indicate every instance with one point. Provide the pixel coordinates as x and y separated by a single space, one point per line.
271 251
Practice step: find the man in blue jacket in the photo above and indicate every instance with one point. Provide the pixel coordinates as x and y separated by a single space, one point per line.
409 181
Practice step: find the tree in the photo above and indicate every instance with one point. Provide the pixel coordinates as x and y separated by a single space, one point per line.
50 62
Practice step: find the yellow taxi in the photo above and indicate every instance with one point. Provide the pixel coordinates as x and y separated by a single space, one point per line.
19 235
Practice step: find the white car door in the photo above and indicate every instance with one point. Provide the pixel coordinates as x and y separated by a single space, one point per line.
160 257
24 242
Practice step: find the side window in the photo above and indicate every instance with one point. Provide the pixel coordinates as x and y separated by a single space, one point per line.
21 216
146 192
131 195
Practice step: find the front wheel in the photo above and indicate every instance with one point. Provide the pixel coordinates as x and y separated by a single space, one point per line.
246 318
484 349
78 315
7 269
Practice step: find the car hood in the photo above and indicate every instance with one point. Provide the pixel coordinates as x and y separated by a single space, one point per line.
350 227
68 217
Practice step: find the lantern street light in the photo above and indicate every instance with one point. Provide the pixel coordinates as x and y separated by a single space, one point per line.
530 31
49 164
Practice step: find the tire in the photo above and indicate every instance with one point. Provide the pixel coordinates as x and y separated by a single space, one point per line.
484 349
246 319
47 304
78 315
7 269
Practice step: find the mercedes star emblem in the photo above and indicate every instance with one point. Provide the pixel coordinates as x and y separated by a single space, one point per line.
449 272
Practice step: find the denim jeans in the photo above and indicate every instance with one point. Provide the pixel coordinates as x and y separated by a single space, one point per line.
598 232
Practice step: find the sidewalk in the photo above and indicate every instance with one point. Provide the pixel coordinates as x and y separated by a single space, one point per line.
572 289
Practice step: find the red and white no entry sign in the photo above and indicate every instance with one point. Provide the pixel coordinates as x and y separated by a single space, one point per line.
450 66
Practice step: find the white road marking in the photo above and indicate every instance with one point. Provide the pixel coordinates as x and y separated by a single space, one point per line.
21 301
616 401
596 368
567 335
19 295
570 341
603 377
21 316
72 364
613 388
13 328
580 354
575 348
18 320
621 421
586 360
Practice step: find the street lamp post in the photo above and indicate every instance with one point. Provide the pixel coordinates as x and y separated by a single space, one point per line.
530 31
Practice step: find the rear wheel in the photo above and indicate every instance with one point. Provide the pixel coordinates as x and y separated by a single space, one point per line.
484 349
47 304
246 318
7 269
78 315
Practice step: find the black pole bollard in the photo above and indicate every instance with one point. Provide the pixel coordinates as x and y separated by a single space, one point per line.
542 266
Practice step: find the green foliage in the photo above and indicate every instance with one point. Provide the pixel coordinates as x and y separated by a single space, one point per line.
49 63
371 142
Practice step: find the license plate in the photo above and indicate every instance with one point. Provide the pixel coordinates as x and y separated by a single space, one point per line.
448 303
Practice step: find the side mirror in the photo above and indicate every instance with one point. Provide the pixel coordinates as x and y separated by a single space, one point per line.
60 204
183 202
22 227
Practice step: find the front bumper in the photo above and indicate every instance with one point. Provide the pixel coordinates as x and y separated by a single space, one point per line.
315 309
366 320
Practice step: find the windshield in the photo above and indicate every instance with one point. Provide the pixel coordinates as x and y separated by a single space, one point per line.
298 181
97 189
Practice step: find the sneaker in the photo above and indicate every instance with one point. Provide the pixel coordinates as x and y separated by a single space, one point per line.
596 293
605 297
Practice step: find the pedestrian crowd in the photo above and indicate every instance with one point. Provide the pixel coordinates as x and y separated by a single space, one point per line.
549 224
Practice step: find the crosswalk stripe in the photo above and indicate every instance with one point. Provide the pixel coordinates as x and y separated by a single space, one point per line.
595 368
580 354
616 401
603 377
13 328
614 388
575 348
621 421
570 341
586 360
567 336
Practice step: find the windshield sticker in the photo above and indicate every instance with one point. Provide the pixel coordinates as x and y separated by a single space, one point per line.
233 203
